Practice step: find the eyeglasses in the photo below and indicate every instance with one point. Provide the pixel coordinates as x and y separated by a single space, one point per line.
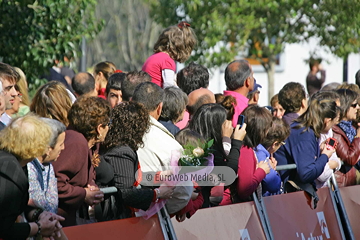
354 105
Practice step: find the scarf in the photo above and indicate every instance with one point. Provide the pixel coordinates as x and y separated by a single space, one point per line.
39 169
348 129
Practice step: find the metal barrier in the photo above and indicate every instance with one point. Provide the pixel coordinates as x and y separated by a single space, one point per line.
346 231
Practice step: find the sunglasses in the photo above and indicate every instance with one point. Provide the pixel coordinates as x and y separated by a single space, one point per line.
354 105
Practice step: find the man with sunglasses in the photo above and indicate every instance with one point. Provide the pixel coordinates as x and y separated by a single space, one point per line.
8 79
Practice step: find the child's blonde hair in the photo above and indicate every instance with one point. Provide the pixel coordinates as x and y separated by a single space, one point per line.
178 41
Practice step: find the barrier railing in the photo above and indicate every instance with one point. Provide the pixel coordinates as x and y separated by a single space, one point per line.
285 216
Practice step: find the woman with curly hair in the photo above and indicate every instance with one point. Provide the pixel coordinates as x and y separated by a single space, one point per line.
129 122
52 101
74 169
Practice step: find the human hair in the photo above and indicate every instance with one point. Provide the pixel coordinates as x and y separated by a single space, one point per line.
107 68
9 73
333 95
129 122
204 99
274 100
278 132
83 83
192 77
258 121
115 81
178 41
330 86
313 62
26 137
149 94
347 97
291 96
132 80
357 78
52 101
187 136
21 86
56 127
229 103
319 108
219 97
350 86
174 104
251 95
87 113
236 73
208 121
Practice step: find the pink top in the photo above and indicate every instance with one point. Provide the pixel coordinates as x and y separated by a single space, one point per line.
155 64
242 103
184 122
249 177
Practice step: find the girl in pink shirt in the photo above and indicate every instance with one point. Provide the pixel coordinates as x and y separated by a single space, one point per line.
174 44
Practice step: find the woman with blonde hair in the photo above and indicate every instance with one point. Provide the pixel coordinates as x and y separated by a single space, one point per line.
175 43
20 142
102 72
52 101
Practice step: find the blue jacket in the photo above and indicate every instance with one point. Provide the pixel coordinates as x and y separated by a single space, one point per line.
272 182
301 148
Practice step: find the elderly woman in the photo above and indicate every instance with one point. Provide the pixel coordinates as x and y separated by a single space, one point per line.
88 125
23 140
130 121
52 101
42 181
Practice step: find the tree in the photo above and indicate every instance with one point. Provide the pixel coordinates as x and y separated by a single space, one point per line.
36 33
128 36
220 26
264 27
337 26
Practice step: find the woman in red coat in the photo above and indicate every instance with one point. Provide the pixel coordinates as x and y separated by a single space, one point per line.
74 169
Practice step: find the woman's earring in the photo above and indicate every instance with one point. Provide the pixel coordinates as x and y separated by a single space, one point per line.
98 137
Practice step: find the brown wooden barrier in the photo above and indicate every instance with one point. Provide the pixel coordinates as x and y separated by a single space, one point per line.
291 216
237 221
131 228
351 199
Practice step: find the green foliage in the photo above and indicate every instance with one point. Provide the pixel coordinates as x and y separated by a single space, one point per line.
337 25
220 26
36 33
226 27
195 156
128 37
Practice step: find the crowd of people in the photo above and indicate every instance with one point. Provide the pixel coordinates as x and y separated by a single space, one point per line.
109 128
